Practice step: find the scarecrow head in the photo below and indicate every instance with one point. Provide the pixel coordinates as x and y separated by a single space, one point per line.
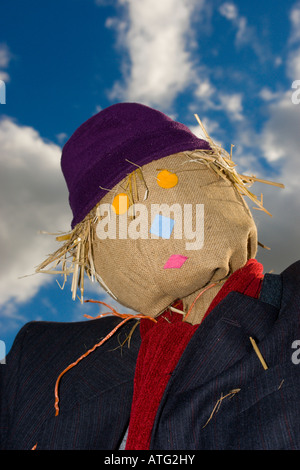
158 214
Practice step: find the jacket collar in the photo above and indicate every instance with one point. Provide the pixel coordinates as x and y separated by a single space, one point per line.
223 338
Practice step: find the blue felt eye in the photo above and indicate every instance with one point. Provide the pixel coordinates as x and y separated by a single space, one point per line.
162 226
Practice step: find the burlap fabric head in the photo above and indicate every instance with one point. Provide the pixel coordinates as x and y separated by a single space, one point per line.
133 267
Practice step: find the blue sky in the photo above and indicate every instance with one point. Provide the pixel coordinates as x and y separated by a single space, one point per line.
232 62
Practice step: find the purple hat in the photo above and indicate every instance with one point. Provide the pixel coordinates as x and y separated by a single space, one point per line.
95 155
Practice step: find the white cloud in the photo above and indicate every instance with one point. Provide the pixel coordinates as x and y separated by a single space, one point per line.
158 41
229 10
293 64
281 138
278 61
33 197
246 35
295 23
204 89
268 95
232 105
278 142
281 232
61 137
4 76
5 57
293 57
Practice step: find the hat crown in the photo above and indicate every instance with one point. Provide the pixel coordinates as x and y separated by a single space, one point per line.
96 154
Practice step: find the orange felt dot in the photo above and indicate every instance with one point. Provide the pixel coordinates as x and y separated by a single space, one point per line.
166 179
120 203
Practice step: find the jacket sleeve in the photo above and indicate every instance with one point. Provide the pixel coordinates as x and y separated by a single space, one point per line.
9 382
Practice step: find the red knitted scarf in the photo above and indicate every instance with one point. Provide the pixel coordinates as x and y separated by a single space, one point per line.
162 346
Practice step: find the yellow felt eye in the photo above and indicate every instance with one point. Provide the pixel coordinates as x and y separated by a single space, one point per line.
120 203
166 179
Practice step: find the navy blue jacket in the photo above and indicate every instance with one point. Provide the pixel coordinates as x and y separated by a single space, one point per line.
96 395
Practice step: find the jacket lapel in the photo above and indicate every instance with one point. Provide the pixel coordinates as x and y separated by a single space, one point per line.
220 341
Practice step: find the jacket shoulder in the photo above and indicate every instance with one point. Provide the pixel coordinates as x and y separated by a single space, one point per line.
42 350
43 337
291 287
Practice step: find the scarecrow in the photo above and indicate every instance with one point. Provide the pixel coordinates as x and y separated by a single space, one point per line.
204 359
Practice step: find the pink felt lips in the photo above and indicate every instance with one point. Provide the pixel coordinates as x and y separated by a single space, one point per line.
175 261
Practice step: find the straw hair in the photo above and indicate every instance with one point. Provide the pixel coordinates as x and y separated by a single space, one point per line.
220 161
75 256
